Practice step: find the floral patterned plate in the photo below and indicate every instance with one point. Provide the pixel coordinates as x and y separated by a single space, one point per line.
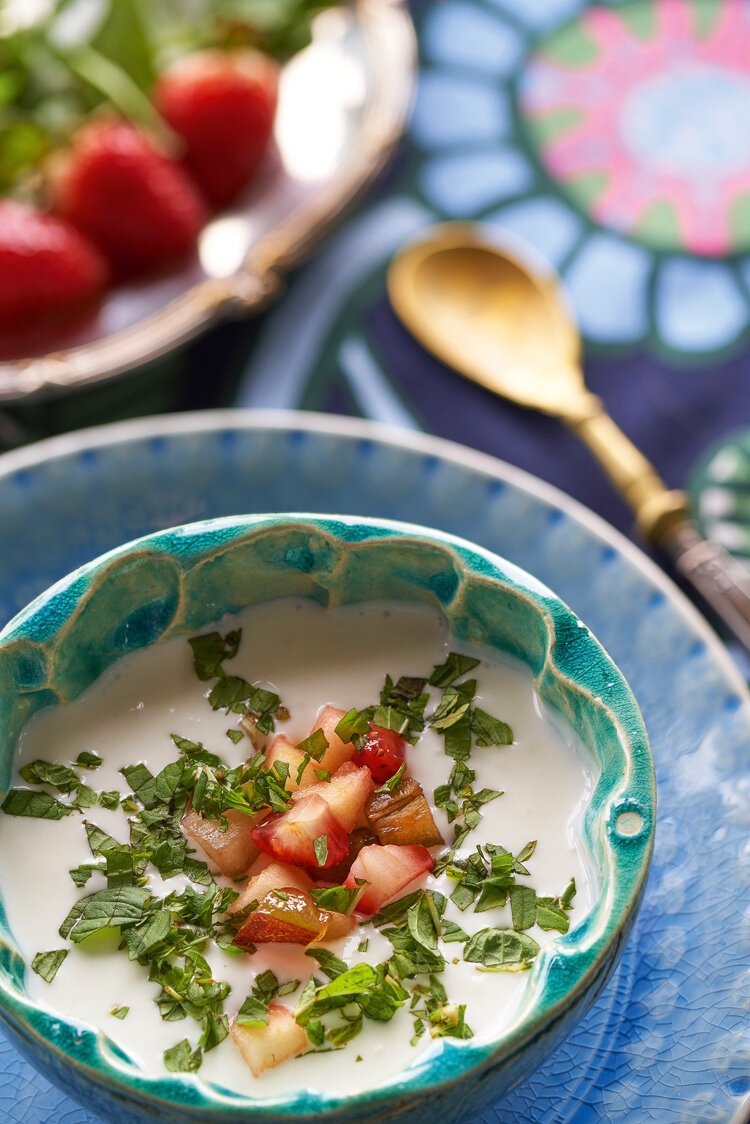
667 1041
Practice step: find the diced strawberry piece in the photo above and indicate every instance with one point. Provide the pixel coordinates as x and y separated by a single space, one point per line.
284 916
384 752
136 204
48 270
273 877
233 850
387 870
290 836
263 1047
222 104
281 749
345 794
338 752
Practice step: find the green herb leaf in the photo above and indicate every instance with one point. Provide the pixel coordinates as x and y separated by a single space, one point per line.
488 730
315 745
46 772
454 667
47 964
393 782
320 846
210 651
330 964
501 949
119 1012
253 1012
106 909
109 799
182 1059
86 760
338 899
523 906
235 736
353 722
39 805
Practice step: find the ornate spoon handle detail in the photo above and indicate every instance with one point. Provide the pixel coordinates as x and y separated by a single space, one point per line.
720 579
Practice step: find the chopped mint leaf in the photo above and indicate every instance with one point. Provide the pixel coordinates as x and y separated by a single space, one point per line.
235 736
353 722
453 933
215 1030
39 805
338 899
523 907
88 760
84 797
488 730
315 745
454 667
46 772
47 964
568 894
320 846
330 964
106 909
210 651
109 799
501 949
182 1059
288 988
119 1012
82 873
323 775
393 782
253 1012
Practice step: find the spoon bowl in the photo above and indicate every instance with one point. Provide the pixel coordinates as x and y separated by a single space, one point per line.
486 314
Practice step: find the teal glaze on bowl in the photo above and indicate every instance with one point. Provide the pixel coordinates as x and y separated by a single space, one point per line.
176 582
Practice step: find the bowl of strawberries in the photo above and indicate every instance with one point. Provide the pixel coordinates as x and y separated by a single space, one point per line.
161 168
325 818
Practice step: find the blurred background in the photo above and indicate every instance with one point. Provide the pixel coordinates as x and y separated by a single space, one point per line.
200 202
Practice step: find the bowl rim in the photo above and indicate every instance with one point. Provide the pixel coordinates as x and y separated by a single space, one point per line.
417 1082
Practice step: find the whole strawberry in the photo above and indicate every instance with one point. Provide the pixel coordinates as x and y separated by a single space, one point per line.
222 104
48 271
135 203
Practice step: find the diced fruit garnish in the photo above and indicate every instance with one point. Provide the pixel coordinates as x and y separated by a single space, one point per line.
284 916
345 794
222 104
292 836
403 816
263 1047
338 752
281 749
136 204
359 838
233 850
387 870
339 926
384 752
48 270
273 877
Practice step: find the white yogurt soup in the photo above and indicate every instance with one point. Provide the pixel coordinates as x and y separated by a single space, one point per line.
310 658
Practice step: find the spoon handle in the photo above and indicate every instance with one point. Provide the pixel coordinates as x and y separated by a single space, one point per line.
657 508
662 517
722 581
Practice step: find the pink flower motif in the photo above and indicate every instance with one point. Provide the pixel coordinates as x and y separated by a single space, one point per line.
643 113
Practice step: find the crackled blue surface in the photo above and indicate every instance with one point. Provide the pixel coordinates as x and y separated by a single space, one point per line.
666 1042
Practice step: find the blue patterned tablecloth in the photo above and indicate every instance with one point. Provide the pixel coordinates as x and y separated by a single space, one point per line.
613 138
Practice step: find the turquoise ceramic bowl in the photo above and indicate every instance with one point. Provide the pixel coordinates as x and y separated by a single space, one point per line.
182 580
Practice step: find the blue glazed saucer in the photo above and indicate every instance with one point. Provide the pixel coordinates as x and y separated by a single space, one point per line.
666 1042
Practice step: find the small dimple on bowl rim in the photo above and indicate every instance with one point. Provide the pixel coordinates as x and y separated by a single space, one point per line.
601 930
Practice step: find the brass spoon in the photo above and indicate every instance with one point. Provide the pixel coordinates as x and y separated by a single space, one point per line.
495 321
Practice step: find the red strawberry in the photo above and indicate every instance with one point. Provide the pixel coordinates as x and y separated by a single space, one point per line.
290 836
47 269
222 104
387 871
384 752
136 204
